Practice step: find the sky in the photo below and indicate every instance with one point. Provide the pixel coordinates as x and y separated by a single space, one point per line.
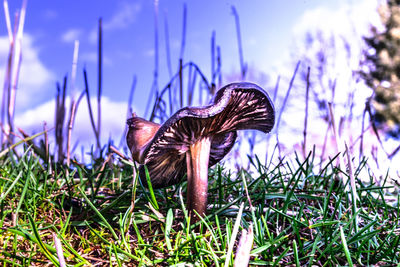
272 32
51 28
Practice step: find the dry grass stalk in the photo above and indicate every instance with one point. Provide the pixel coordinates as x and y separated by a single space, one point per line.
17 41
350 171
219 69
73 103
213 73
95 130
361 154
180 84
243 66
339 146
59 119
129 110
8 74
183 40
233 235
306 112
7 78
60 253
167 46
278 121
99 89
116 151
7 18
104 165
46 142
154 87
245 245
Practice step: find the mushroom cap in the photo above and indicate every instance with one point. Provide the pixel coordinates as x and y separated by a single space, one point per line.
237 106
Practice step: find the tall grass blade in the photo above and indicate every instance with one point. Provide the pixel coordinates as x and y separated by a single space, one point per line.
345 247
233 236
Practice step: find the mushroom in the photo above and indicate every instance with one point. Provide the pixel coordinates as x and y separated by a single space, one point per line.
195 138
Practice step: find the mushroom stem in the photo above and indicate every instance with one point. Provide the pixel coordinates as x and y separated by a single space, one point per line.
197 158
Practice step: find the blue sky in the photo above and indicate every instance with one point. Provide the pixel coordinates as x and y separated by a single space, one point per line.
128 39
270 30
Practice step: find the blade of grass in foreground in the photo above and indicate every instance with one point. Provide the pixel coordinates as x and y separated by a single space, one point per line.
345 248
47 253
153 200
233 236
98 214
168 226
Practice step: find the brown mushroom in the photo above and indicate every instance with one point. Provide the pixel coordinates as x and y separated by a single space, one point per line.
195 138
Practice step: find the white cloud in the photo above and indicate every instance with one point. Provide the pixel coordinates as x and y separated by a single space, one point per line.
71 35
112 122
343 20
34 76
125 15
338 34
335 32
92 57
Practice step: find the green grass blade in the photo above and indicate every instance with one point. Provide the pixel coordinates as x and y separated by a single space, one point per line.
345 248
168 226
45 251
153 200
98 214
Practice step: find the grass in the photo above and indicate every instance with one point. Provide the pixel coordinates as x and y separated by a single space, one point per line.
300 217
298 213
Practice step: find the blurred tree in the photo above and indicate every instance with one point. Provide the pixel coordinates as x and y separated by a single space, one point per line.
382 72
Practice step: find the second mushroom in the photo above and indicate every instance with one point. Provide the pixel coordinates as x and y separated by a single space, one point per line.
195 138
